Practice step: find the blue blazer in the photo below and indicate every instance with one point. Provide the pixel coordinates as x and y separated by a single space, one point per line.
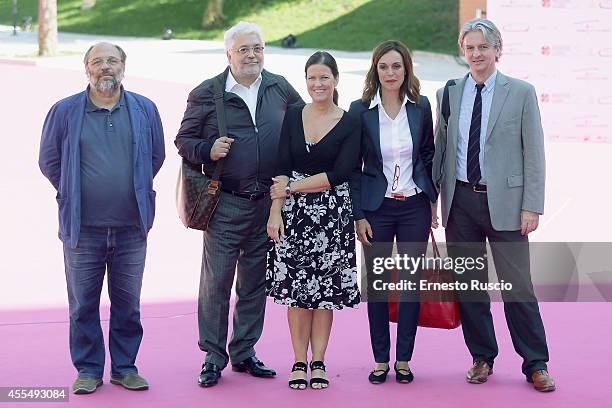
368 183
60 158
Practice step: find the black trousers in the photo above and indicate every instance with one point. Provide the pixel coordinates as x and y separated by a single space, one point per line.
408 222
470 222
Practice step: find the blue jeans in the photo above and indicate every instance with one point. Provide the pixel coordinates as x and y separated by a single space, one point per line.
120 251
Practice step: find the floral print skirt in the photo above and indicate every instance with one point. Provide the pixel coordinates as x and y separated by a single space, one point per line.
314 267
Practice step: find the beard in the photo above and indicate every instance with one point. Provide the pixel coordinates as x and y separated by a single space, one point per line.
109 85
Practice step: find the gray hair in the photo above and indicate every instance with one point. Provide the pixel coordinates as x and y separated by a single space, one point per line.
121 52
489 31
242 27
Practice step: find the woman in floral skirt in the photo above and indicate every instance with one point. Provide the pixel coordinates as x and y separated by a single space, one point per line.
312 268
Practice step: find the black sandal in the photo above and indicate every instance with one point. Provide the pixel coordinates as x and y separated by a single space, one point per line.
299 382
378 378
318 365
401 377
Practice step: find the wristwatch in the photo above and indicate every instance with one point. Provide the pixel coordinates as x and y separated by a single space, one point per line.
288 189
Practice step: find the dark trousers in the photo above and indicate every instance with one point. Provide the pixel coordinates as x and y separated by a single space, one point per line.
469 222
235 244
408 222
120 252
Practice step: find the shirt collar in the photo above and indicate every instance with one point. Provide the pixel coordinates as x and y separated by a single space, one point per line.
92 107
376 100
489 84
231 82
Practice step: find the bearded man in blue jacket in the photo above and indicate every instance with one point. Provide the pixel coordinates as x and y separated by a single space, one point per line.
100 149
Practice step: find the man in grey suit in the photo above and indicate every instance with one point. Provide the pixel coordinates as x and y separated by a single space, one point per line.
489 166
236 241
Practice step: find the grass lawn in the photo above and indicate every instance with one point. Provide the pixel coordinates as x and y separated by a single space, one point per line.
356 25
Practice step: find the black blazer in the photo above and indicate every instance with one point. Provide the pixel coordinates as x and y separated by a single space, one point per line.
368 182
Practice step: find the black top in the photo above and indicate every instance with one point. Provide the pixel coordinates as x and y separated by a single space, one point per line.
336 154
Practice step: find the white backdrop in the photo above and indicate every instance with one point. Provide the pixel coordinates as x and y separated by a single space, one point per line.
564 48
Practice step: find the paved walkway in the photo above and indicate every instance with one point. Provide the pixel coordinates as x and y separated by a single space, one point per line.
191 61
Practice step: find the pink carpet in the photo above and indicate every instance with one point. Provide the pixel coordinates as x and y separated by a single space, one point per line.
35 353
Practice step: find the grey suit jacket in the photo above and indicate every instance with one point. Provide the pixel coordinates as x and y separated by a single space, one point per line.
514 152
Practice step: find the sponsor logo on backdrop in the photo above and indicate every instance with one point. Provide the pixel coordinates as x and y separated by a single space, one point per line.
605 4
591 26
589 122
593 73
605 100
516 49
605 52
568 4
516 27
518 74
517 4
567 50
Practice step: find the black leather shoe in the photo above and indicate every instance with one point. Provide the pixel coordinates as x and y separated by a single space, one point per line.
403 375
253 366
209 375
378 376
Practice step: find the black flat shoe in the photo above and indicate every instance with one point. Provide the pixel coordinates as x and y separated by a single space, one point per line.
403 375
253 366
322 382
378 376
209 376
299 383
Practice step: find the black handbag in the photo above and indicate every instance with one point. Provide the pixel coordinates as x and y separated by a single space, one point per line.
197 195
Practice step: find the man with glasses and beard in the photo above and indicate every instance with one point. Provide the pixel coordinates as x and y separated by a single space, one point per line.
100 149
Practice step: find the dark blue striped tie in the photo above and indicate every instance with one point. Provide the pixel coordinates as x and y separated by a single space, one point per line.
473 162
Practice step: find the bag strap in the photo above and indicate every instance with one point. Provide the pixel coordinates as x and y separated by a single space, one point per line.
434 245
445 101
220 109
445 112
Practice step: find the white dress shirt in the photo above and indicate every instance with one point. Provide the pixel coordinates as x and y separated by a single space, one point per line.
396 148
248 94
465 120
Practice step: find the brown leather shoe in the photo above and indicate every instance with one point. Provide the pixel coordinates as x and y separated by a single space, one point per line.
479 372
542 381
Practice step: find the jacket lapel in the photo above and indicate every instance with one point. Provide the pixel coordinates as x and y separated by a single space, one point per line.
370 119
502 88
75 125
75 121
414 122
136 123
455 94
266 81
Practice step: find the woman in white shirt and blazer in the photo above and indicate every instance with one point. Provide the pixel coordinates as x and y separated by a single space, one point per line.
392 192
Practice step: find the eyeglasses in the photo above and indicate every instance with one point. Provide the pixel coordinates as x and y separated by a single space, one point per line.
98 62
396 177
258 49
